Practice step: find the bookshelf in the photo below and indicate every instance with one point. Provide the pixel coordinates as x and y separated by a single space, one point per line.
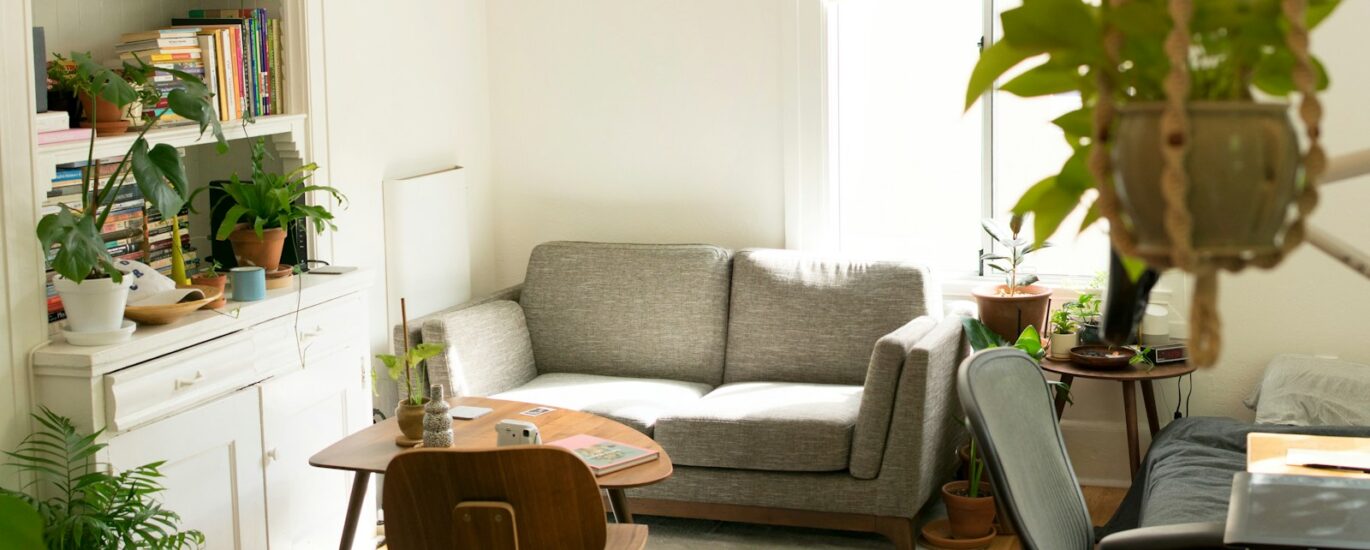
176 136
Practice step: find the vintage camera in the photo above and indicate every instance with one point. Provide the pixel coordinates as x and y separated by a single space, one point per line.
517 432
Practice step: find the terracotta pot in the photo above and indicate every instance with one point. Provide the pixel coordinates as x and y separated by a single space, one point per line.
1007 316
971 518
219 282
410 417
1244 175
105 116
250 250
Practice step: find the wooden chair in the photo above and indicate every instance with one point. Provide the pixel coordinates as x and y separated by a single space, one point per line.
529 497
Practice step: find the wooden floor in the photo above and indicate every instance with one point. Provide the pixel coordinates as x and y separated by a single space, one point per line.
1102 501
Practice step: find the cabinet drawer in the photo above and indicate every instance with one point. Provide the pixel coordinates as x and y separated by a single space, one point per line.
316 333
174 382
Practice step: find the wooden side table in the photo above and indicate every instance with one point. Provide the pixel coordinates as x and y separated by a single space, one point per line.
1129 377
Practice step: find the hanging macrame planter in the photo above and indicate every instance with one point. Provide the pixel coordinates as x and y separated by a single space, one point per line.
1205 186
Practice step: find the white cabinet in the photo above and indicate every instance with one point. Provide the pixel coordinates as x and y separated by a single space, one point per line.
213 467
302 413
235 404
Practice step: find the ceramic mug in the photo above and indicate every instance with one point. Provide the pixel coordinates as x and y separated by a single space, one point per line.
249 283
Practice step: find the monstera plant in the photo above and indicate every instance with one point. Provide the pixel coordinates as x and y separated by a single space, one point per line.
93 291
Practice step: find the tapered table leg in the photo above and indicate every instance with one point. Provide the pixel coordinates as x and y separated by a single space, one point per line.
354 509
1149 399
620 502
1130 415
1066 379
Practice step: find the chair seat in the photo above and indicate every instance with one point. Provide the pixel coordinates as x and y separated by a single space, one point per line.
635 402
765 426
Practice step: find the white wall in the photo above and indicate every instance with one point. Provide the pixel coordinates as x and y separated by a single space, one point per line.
635 120
407 95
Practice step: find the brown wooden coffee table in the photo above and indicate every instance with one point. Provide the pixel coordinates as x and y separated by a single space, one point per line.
1129 377
370 450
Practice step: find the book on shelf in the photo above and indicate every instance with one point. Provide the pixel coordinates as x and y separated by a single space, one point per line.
179 41
52 121
604 456
156 34
162 56
63 136
256 55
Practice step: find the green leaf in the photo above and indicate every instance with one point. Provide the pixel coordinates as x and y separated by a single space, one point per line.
1030 341
421 352
1318 11
1025 279
994 62
996 230
152 180
20 524
231 218
1076 124
81 248
980 336
393 366
1091 215
1053 25
103 81
1045 79
1134 267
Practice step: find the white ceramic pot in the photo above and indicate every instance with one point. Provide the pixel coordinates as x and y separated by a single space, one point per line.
93 305
1061 344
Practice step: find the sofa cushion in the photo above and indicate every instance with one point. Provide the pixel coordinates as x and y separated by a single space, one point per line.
802 318
635 402
647 311
764 426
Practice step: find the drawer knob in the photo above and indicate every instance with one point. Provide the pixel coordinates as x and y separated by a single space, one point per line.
270 456
184 382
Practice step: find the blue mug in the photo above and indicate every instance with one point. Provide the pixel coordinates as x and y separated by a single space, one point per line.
249 283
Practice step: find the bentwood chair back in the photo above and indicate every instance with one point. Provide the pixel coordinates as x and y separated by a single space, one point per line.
526 497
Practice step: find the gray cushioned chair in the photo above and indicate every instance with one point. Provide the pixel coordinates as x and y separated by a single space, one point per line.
1009 405
815 386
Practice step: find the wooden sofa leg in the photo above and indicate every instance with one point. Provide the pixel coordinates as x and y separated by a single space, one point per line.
899 530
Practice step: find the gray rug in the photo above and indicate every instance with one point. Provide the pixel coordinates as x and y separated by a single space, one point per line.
692 534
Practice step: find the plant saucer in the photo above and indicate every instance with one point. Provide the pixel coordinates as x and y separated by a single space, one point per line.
101 338
938 533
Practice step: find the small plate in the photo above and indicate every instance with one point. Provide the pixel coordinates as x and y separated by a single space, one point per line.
938 533
104 338
1101 357
170 313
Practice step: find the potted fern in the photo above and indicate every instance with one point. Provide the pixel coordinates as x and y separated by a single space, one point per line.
1191 171
264 207
85 503
92 289
1019 302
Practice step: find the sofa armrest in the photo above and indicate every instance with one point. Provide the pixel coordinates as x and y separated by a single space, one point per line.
1180 536
923 430
487 349
416 325
878 395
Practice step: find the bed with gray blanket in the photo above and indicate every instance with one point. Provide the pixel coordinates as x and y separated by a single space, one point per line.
1187 474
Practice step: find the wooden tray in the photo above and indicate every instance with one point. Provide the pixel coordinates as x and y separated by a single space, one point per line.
1097 356
167 314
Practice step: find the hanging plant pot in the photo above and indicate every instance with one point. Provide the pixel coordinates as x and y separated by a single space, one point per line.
93 305
1007 315
264 251
1243 168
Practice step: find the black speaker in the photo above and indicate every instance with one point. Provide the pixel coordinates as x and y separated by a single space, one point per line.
40 70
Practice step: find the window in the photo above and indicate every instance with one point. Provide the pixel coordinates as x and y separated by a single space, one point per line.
910 174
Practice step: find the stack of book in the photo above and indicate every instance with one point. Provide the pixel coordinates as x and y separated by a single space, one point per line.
247 46
159 235
55 127
177 49
123 232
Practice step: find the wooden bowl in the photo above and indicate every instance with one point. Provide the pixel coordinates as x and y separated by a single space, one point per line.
162 315
1101 357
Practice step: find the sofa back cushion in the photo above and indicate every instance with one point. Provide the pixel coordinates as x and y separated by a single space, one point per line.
639 310
798 317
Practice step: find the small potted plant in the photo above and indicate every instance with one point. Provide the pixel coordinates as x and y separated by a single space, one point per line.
213 277
93 291
970 504
1085 311
263 208
1063 334
410 411
1017 303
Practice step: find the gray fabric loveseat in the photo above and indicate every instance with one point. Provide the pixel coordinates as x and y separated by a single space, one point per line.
787 388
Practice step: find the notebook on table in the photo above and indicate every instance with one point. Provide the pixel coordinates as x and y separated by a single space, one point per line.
604 456
1288 511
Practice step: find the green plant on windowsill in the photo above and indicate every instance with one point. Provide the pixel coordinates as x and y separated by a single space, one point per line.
87 506
1030 342
1018 249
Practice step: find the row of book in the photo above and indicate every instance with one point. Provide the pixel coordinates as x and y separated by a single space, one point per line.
134 229
236 53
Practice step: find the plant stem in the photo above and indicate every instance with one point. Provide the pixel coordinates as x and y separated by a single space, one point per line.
408 381
122 162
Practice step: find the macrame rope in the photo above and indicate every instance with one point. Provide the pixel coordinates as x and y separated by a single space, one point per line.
1206 339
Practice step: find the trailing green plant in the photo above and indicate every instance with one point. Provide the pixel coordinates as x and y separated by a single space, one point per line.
1029 341
1238 48
157 170
1017 249
406 365
271 200
1062 322
1141 358
1086 309
90 506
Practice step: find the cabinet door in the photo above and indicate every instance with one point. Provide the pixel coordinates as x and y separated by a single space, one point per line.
213 467
302 413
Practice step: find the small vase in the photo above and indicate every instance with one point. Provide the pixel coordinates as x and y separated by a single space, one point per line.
410 418
437 425
1062 343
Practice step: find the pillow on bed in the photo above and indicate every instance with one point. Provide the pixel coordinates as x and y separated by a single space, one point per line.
1302 390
